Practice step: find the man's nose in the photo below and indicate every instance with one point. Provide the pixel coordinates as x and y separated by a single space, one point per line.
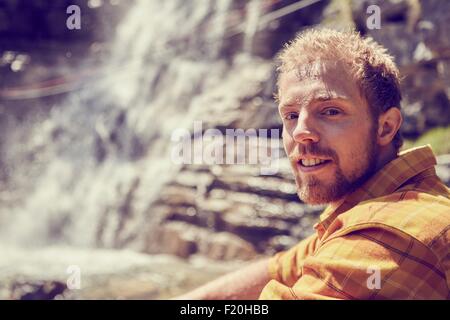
304 131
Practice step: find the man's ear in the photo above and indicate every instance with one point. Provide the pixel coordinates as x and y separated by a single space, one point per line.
389 123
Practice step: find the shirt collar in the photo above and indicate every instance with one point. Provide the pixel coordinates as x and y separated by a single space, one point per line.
391 177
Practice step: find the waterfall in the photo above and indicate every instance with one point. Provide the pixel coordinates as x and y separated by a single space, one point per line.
87 174
251 25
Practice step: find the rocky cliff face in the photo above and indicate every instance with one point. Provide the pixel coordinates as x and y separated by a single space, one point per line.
416 33
230 212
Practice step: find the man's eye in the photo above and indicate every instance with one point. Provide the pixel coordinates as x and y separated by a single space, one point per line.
331 112
291 115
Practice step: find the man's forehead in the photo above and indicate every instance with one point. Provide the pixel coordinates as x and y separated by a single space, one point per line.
313 70
304 95
320 69
317 80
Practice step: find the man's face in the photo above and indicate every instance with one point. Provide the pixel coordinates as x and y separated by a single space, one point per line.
328 131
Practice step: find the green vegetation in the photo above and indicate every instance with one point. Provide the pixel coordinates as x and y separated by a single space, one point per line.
438 138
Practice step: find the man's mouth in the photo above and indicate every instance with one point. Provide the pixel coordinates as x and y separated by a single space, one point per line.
312 164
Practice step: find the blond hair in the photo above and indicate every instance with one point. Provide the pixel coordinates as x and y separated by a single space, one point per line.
368 63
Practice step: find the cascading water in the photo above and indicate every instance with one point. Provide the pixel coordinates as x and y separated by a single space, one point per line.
100 159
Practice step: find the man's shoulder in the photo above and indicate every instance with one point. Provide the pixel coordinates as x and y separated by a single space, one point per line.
420 215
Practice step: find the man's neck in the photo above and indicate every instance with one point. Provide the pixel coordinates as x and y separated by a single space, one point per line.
386 155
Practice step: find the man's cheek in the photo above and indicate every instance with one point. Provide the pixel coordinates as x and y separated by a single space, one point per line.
284 135
288 145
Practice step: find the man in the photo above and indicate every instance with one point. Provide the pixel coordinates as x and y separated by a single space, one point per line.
385 233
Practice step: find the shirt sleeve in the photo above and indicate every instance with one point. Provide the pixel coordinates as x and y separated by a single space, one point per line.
285 266
371 263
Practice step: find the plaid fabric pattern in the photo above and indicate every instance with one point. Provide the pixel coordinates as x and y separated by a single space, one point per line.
389 239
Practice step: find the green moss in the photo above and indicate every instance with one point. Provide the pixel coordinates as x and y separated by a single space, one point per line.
438 138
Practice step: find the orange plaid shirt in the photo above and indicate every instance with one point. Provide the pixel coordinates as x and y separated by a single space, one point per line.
389 239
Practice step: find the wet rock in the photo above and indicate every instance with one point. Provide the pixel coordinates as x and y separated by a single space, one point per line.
179 213
415 33
269 187
227 246
177 195
235 201
192 179
249 225
435 15
403 47
177 238
214 205
39 290
183 240
437 111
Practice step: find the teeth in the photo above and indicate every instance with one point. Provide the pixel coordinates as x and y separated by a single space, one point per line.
311 162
